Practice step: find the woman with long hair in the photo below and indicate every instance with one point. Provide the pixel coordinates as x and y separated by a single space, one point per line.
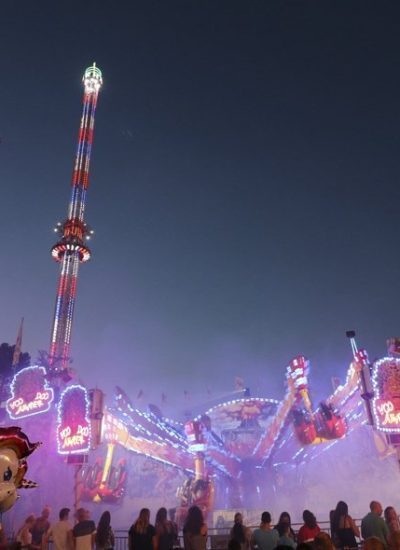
165 531
310 529
142 534
284 526
391 519
343 527
195 530
240 532
104 533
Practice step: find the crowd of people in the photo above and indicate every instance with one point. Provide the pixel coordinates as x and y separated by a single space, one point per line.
35 533
377 532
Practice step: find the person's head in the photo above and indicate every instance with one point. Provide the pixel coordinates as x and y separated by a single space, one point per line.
285 518
238 531
342 509
390 514
87 514
394 540
323 541
376 507
143 520
266 518
194 521
172 514
373 543
81 514
105 520
45 512
64 513
144 515
309 519
238 518
30 520
161 516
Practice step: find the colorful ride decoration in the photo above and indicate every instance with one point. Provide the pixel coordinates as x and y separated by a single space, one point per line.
30 393
297 371
196 436
386 400
73 425
224 443
360 358
312 427
194 492
15 447
104 482
239 425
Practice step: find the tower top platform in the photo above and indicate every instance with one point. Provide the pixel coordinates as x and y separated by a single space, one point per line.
92 79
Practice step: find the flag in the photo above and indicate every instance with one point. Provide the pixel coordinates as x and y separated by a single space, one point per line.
163 397
186 393
140 394
18 345
209 392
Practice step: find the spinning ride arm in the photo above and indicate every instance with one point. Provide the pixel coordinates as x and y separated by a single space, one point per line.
201 488
267 442
146 443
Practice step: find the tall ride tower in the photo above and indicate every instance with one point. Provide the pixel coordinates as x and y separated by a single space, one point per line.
71 249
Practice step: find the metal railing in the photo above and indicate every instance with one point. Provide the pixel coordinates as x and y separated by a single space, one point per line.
217 538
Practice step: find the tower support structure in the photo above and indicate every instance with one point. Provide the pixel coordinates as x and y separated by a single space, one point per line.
71 249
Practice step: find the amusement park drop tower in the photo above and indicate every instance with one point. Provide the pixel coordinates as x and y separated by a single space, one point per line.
71 249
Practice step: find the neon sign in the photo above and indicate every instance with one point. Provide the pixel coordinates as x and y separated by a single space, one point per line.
388 413
30 393
73 426
386 401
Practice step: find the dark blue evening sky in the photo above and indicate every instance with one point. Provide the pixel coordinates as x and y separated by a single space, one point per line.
244 186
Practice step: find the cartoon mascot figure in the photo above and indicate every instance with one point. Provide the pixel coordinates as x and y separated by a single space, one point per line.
14 448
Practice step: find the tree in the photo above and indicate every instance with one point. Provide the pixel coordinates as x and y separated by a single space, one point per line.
7 371
6 359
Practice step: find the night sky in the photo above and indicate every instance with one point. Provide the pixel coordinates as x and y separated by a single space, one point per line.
244 187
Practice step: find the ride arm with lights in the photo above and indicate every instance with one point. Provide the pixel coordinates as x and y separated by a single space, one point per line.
270 437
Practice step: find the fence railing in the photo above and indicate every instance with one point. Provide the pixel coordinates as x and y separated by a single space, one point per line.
217 538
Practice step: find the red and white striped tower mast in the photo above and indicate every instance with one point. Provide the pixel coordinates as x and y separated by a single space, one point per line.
71 249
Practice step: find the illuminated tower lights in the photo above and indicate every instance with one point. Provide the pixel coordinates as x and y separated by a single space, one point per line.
71 249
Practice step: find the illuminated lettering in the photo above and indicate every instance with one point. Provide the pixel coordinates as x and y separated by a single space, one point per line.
73 441
389 414
21 404
73 430
386 400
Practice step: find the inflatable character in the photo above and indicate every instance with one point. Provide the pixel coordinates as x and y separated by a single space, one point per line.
14 448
